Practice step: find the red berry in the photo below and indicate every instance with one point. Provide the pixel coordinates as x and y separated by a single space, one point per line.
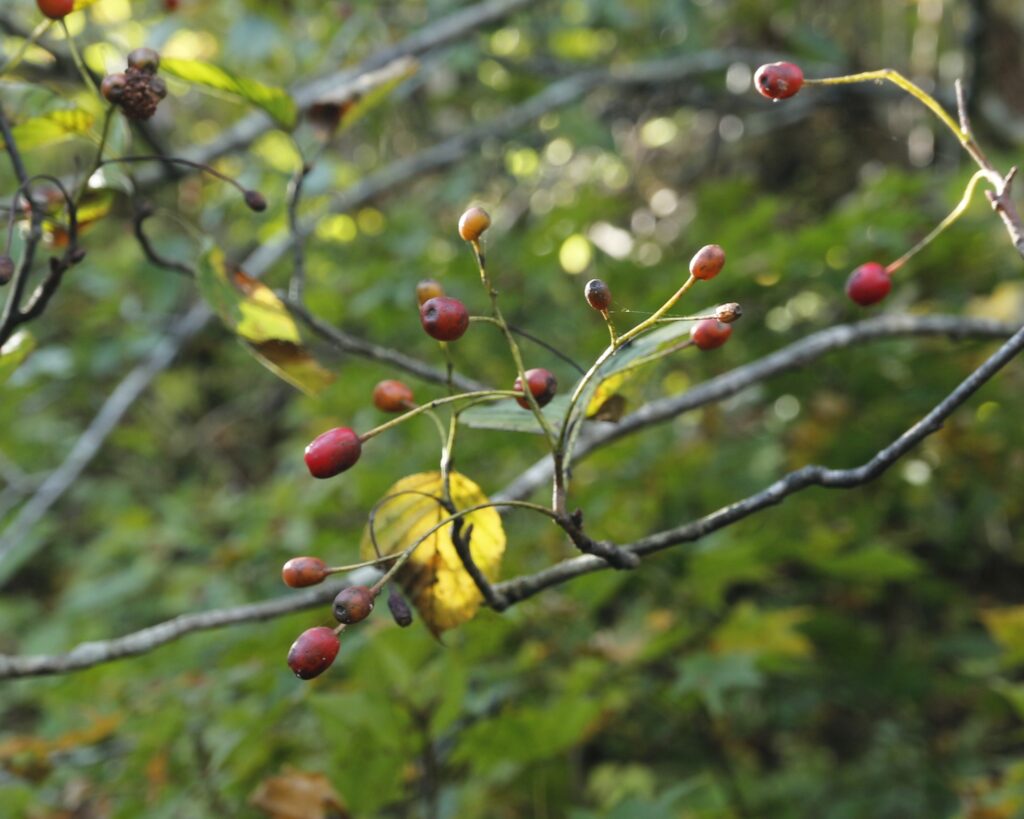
597 294
868 284
333 452
710 333
303 571
353 604
444 318
543 385
473 223
392 396
777 81
428 289
56 9
313 652
171 5
707 262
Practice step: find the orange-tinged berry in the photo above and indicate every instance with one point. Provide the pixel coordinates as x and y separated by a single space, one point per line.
707 262
473 223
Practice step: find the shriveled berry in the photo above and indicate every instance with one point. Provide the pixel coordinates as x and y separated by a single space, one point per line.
313 652
444 318
428 289
868 284
158 88
353 604
598 294
303 571
392 396
473 223
728 313
707 262
56 9
145 60
777 81
543 385
256 201
333 452
708 334
112 87
6 269
400 610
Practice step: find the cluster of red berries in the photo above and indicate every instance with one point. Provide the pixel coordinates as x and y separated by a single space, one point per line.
138 91
315 649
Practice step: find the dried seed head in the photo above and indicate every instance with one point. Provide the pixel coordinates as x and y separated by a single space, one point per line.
728 313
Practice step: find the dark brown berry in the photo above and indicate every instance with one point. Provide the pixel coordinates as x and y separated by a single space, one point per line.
333 452
400 610
428 289
710 333
707 262
392 396
313 652
112 87
256 201
139 99
444 318
6 269
145 60
353 604
303 571
777 81
473 223
543 385
598 295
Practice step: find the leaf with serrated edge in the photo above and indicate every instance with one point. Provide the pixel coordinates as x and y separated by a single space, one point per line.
508 416
434 577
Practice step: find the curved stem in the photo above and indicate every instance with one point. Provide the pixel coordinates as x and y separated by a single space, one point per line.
19 55
489 395
79 62
955 214
513 346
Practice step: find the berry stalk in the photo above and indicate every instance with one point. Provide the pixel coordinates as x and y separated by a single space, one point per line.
488 395
954 214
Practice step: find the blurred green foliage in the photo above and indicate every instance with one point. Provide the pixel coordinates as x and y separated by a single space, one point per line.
841 655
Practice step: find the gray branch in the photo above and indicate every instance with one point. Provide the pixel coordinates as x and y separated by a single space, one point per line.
791 357
813 475
517 589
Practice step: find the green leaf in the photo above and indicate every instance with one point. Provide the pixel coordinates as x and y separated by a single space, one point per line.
872 564
275 101
249 308
712 676
510 417
54 127
14 353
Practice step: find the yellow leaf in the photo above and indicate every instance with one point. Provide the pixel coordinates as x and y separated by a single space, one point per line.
434 578
751 630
